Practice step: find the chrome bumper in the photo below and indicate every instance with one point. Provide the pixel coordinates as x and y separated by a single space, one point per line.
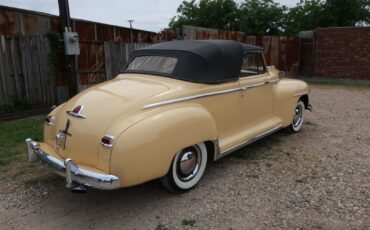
69 169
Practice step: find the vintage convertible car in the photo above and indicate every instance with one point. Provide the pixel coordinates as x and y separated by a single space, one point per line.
175 106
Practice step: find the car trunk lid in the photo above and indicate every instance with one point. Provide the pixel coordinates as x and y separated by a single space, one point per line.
86 117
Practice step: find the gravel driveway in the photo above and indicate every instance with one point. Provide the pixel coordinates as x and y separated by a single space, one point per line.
316 179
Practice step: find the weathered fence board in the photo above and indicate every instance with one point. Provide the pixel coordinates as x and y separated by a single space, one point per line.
25 72
117 55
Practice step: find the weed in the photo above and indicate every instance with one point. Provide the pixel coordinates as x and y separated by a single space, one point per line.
161 227
288 153
255 176
189 222
311 123
303 180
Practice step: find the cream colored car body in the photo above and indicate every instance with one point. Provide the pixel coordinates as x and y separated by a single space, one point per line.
153 117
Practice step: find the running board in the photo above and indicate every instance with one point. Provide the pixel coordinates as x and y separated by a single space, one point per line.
250 141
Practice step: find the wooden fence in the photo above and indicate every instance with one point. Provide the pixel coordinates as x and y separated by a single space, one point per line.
27 79
25 74
117 55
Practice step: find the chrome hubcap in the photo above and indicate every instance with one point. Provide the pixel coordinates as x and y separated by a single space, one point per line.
297 116
188 163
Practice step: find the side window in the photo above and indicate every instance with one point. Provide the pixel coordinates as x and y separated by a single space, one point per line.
252 65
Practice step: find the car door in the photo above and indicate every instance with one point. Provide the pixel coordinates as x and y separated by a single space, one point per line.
256 96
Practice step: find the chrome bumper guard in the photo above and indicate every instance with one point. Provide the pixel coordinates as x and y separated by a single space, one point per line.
309 107
69 169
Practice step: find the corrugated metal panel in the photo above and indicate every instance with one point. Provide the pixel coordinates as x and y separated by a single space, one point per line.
87 57
251 40
104 32
35 24
122 35
9 22
86 31
282 51
292 56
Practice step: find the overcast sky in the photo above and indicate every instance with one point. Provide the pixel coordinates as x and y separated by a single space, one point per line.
152 15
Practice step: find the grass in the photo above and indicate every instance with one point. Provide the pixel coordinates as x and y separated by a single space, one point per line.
13 135
15 172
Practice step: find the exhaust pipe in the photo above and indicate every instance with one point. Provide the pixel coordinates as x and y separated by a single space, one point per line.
79 189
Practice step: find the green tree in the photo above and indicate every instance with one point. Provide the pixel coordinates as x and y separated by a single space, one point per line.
311 14
306 15
266 17
262 17
188 14
346 12
221 14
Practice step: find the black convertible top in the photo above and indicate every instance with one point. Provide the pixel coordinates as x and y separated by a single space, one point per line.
201 61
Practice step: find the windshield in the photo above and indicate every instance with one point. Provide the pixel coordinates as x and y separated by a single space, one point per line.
158 64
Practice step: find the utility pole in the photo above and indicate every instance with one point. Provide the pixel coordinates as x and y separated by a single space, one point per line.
70 58
131 38
131 21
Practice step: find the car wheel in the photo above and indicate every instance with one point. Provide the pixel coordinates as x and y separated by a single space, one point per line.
187 169
298 118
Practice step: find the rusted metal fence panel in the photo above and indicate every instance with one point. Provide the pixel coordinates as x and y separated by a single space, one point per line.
307 57
25 71
280 51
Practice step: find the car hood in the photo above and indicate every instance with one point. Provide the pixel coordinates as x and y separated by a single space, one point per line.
101 105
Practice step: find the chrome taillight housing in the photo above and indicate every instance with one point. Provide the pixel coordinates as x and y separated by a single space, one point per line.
49 120
107 141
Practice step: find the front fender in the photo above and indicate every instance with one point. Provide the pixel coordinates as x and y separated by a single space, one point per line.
145 151
286 96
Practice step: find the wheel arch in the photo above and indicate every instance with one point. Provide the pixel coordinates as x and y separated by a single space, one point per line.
287 93
305 99
161 136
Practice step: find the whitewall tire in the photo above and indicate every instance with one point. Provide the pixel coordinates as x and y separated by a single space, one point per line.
298 118
186 169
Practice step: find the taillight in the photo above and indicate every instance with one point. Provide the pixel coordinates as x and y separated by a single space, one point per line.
49 120
107 141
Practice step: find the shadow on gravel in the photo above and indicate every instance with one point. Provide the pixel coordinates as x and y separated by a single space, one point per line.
260 149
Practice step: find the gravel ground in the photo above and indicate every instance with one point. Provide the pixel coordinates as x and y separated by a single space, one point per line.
316 179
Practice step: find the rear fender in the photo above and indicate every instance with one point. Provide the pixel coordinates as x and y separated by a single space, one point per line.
145 151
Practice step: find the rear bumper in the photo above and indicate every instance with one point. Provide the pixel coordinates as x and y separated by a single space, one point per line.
71 171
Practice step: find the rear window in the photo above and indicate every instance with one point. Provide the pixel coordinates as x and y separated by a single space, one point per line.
157 64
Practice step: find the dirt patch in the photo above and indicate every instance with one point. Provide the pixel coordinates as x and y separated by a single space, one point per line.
318 178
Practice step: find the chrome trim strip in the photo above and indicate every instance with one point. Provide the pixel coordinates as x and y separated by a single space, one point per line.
181 99
190 98
70 170
76 114
253 86
301 94
217 150
249 141
274 81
